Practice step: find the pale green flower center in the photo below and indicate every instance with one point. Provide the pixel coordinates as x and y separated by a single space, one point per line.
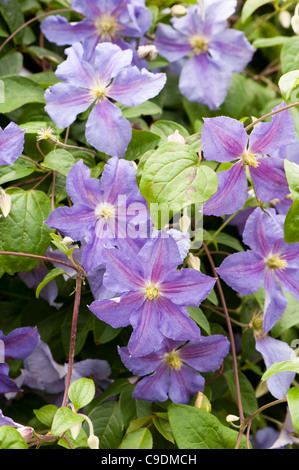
199 43
276 263
98 90
106 26
104 210
173 360
249 159
152 292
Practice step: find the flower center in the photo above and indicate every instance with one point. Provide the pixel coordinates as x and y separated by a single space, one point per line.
152 292
98 90
199 44
106 26
249 159
173 360
104 210
276 263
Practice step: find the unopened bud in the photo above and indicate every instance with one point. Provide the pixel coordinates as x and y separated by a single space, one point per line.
75 430
93 442
67 241
202 402
184 223
193 262
285 19
148 52
295 20
25 431
5 202
176 137
232 418
178 10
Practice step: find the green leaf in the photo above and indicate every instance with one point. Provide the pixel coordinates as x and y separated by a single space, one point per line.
131 408
10 438
18 91
269 42
161 423
291 223
141 142
293 404
59 160
108 425
250 6
45 414
64 419
23 230
291 366
290 55
11 63
172 179
199 317
49 277
140 439
194 428
292 175
288 83
18 170
148 108
81 392
249 401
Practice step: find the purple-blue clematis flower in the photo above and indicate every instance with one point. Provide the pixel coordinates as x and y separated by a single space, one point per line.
225 140
104 21
108 76
18 344
102 213
270 262
154 294
11 143
274 350
173 369
210 51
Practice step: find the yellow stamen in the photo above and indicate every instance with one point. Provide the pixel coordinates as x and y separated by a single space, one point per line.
199 44
249 159
152 292
107 27
173 360
98 91
276 263
104 210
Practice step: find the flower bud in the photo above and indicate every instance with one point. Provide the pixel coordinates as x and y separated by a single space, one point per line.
176 137
75 430
25 431
202 402
178 10
193 262
285 19
93 442
148 52
295 20
67 241
5 202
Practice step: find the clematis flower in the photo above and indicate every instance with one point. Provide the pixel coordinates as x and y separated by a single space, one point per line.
108 76
154 294
173 369
18 344
209 51
271 263
225 140
42 372
11 143
100 214
104 21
